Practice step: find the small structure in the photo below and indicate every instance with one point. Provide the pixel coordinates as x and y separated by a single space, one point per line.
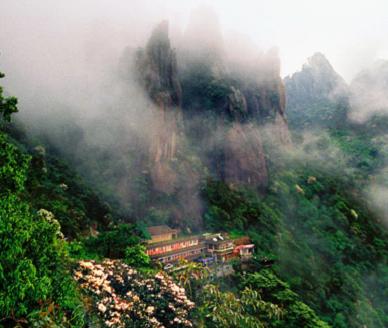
244 251
243 248
220 247
161 233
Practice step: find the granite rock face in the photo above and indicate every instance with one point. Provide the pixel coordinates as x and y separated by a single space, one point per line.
244 157
224 108
157 67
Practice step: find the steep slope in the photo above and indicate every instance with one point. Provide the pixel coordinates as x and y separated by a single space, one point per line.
317 95
51 184
232 110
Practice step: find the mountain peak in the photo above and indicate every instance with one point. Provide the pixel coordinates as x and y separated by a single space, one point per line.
318 59
159 36
316 84
320 67
319 77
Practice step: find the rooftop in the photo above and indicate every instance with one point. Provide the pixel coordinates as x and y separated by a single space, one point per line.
172 241
160 230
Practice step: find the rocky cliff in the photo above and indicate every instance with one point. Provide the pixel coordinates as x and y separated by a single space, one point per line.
221 109
171 172
232 105
157 67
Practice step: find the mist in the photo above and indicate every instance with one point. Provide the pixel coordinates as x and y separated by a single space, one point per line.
78 90
70 66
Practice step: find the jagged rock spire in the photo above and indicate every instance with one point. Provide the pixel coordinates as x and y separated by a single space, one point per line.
158 67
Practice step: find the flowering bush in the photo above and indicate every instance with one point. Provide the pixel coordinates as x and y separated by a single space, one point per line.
123 298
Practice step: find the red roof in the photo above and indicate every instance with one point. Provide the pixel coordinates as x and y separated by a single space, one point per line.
237 248
242 241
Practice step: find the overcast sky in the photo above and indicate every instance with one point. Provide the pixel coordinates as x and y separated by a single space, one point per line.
351 33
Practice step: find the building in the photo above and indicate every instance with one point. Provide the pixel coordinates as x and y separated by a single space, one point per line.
219 247
174 250
166 247
161 233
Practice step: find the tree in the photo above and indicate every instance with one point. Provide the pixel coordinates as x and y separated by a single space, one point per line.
33 273
225 309
189 273
114 243
8 105
13 167
136 256
34 278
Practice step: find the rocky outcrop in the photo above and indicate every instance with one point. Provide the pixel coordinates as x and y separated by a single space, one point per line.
316 81
256 104
317 95
157 67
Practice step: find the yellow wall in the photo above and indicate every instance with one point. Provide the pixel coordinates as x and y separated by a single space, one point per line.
158 238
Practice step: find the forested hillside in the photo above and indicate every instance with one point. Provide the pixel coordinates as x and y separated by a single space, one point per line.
45 211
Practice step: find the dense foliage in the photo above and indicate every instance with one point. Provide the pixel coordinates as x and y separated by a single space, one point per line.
8 105
225 309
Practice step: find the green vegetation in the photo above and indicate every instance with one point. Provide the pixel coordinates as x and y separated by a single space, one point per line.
272 289
225 309
263 300
8 105
320 113
314 222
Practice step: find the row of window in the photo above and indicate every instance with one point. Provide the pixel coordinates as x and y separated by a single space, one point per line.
172 247
175 257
